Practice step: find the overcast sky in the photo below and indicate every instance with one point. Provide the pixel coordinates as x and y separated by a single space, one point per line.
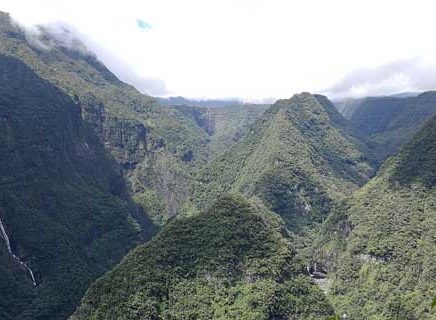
253 49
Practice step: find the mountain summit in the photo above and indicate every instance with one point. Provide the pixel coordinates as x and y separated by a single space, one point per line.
298 158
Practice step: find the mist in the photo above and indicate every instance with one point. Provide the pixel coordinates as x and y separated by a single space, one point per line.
251 50
395 77
59 34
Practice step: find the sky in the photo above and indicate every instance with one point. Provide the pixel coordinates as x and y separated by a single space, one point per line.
253 50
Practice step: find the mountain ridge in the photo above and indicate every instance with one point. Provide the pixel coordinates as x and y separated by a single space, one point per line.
227 262
387 123
280 149
379 244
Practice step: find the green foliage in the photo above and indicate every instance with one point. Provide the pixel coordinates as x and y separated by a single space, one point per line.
298 158
62 200
385 124
153 205
225 263
62 196
380 245
142 136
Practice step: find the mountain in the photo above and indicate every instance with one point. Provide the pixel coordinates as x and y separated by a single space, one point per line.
298 158
154 149
380 244
407 94
232 261
65 213
348 106
86 162
89 167
208 103
224 125
386 123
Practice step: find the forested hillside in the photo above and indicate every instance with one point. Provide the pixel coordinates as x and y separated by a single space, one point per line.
381 243
155 150
387 123
229 210
224 125
64 206
298 158
233 261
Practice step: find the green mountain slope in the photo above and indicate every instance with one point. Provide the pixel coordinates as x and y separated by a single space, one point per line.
382 241
348 106
155 150
298 158
230 262
387 123
225 125
63 204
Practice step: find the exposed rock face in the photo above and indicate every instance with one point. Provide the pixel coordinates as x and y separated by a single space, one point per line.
134 128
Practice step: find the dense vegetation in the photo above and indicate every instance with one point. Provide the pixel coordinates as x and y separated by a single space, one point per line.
89 165
381 244
298 158
225 125
387 123
230 262
62 200
155 150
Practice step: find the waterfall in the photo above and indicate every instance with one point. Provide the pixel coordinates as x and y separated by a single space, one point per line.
16 258
5 237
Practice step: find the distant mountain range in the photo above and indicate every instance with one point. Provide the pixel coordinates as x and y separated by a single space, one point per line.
386 123
348 106
181 101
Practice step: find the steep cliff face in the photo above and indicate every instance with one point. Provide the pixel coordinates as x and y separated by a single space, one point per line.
142 136
64 205
224 125
298 158
380 243
232 261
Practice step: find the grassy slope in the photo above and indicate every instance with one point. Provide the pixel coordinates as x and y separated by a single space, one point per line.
384 238
229 262
297 158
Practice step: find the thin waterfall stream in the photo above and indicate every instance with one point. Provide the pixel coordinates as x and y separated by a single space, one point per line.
16 258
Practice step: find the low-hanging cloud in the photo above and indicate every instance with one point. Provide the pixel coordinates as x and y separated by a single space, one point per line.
59 34
398 76
252 49
124 71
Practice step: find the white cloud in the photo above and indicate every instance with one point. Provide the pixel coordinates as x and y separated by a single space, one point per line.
247 49
399 76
